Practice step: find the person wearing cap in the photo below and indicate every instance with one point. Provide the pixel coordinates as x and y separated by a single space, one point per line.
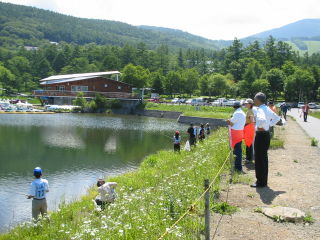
38 190
249 129
176 141
236 124
265 119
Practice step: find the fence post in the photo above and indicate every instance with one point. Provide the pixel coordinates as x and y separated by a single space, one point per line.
207 210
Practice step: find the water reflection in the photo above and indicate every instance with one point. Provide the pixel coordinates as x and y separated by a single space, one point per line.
74 150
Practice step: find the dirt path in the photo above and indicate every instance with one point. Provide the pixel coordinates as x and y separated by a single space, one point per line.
294 181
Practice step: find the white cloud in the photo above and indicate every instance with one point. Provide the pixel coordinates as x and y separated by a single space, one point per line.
215 19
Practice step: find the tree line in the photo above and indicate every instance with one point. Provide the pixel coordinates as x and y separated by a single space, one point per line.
236 71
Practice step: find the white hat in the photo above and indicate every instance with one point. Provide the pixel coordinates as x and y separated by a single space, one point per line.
249 100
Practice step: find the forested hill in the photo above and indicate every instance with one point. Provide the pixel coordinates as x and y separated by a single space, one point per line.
22 25
306 28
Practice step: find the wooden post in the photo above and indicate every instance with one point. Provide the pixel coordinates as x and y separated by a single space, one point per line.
207 210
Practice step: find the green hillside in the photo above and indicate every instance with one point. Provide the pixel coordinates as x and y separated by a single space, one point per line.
22 25
310 46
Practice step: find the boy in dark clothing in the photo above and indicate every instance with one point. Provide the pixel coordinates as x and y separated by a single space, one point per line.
192 136
202 133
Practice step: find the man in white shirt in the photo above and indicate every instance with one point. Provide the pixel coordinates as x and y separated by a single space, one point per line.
38 191
265 118
107 193
237 123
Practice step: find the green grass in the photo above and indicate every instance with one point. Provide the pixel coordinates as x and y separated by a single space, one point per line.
224 208
188 110
240 178
313 46
308 219
150 200
314 142
315 114
276 143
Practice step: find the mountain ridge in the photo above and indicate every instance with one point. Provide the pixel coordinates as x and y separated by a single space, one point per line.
25 23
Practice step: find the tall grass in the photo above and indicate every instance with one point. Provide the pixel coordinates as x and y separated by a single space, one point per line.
188 110
149 200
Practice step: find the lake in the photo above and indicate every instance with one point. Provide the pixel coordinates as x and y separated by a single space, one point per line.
74 150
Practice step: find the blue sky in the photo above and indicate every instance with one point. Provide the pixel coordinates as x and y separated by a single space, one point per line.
213 19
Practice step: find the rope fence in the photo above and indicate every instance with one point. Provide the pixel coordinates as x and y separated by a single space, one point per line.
192 206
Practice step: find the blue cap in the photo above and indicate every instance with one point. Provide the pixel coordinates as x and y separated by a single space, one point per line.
37 171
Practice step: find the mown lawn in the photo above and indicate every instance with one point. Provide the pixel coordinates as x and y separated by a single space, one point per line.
315 114
149 200
188 110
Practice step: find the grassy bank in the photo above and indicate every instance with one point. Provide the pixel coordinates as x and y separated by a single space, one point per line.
188 110
149 200
315 114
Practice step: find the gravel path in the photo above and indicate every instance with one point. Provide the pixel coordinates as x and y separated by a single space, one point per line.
294 181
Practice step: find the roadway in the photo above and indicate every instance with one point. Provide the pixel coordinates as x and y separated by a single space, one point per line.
311 127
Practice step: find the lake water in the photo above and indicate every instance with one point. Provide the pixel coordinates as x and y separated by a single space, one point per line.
74 150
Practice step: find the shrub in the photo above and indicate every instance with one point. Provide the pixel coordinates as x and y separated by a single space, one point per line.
314 142
224 208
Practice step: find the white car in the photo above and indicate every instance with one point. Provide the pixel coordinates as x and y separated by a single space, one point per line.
175 100
230 102
300 104
216 103
313 105
189 101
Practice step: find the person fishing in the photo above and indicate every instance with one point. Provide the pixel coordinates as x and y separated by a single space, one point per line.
38 190
249 130
176 141
192 135
202 135
208 129
107 193
237 122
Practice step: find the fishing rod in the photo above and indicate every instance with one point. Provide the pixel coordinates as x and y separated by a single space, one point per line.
19 193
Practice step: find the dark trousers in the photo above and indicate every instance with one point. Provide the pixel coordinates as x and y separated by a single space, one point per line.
261 146
285 115
237 151
305 116
192 141
249 153
176 147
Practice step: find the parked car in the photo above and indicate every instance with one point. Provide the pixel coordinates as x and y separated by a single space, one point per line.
313 105
155 100
300 104
230 102
175 100
195 101
183 100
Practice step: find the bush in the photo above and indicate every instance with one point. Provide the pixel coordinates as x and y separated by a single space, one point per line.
314 142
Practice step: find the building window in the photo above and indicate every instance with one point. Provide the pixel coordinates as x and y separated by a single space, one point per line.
79 88
106 85
61 88
119 87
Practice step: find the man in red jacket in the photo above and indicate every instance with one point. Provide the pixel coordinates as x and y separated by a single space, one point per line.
305 111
